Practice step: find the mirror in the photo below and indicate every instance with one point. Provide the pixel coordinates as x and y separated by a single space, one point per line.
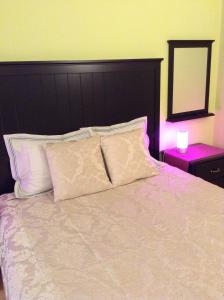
188 79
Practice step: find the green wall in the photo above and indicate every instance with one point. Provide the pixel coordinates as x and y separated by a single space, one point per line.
101 29
219 119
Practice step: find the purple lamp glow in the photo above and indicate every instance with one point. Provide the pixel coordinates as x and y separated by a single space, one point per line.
182 141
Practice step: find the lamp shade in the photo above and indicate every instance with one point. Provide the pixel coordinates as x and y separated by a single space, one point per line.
182 141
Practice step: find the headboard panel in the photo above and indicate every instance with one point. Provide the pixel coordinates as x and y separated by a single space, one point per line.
62 96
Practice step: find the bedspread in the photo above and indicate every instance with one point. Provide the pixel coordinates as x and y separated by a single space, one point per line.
159 238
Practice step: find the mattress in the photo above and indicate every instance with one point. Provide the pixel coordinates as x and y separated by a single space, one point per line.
158 238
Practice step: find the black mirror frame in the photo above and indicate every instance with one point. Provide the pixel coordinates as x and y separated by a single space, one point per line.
201 113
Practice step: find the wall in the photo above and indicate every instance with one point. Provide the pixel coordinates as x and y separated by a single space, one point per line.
100 29
219 118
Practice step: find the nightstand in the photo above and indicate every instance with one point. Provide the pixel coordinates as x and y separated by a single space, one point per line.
201 160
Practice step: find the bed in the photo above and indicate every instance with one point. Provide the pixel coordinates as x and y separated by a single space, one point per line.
156 238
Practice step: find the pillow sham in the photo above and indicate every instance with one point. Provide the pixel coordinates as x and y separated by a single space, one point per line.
122 127
28 160
77 168
126 157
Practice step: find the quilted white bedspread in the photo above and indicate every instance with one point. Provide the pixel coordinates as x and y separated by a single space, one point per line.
160 238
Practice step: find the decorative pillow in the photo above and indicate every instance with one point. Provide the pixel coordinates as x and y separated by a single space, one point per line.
126 157
77 168
28 160
122 127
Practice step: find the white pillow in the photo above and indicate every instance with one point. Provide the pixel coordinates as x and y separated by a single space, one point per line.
139 123
28 160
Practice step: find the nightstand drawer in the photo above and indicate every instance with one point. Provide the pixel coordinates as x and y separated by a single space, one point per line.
210 170
219 182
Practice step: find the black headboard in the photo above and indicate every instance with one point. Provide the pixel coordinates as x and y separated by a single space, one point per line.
61 96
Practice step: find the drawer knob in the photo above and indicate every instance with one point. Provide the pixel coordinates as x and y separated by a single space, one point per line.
215 171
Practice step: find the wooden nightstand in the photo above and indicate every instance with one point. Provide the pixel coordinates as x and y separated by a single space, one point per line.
200 160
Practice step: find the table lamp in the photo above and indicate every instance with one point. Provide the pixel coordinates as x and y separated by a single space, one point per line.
182 141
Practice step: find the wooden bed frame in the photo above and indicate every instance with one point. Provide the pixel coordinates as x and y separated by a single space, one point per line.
55 97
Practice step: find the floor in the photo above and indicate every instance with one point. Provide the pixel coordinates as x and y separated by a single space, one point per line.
1 288
2 297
